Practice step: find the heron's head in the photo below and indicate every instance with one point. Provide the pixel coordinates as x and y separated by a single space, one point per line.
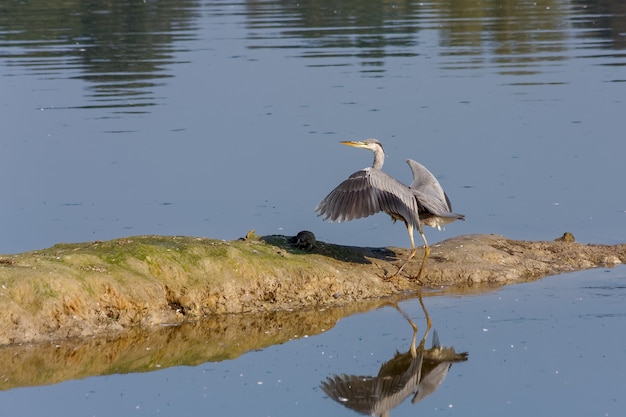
371 144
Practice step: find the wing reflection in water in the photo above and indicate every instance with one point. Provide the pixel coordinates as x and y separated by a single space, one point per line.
418 372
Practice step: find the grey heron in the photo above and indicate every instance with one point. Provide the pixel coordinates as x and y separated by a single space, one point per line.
371 190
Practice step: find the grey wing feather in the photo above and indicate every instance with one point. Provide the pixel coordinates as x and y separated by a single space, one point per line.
367 192
428 191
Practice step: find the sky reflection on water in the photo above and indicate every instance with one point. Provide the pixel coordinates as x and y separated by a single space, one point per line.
515 107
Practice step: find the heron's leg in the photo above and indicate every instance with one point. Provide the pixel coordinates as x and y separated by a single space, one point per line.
429 323
412 349
426 253
409 229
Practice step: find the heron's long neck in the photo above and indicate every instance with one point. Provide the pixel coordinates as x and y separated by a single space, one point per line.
379 159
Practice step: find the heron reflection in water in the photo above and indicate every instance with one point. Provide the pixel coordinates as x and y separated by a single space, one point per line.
417 372
370 191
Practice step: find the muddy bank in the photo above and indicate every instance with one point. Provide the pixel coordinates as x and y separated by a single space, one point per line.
95 288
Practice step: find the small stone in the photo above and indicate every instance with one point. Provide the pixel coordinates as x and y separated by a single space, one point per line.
567 237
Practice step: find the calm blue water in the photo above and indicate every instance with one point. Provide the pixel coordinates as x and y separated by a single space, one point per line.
212 118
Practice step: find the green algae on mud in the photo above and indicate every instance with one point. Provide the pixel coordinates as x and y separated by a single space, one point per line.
95 288
74 290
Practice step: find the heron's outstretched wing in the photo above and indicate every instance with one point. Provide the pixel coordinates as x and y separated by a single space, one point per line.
428 190
429 193
367 192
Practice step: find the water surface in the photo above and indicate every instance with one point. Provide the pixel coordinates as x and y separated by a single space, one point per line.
214 118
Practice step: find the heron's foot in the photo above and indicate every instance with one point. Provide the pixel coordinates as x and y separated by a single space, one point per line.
399 273
387 278
383 274
415 279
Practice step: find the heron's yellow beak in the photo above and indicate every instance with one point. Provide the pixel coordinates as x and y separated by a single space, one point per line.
355 143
